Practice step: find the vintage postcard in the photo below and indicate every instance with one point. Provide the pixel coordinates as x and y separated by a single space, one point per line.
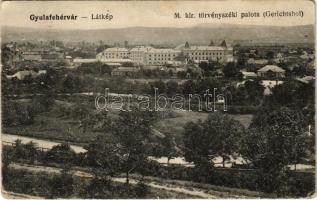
158 99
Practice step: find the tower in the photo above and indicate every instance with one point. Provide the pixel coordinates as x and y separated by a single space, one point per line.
186 45
223 43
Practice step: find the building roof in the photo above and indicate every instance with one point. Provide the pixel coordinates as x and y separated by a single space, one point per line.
84 60
118 60
114 64
153 50
257 61
125 69
116 49
22 74
204 48
141 48
31 53
272 68
306 79
223 43
250 74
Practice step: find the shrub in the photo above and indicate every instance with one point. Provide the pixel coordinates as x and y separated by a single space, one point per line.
141 190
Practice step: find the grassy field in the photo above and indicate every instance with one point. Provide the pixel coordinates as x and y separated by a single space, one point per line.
53 125
175 126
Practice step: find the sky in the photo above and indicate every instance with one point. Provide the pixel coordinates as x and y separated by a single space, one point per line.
151 13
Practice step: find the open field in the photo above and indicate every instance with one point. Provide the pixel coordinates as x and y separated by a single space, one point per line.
176 125
53 125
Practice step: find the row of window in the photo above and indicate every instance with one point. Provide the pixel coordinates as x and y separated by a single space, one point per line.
160 59
205 53
207 58
115 54
158 63
113 57
162 55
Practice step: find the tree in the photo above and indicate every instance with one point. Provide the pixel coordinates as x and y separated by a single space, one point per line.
105 152
9 114
125 147
277 143
166 147
251 93
132 130
189 87
270 54
62 184
62 153
230 70
160 85
226 133
71 84
31 151
100 187
217 136
207 66
171 88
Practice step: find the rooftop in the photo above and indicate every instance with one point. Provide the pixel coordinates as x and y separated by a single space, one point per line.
204 48
141 48
125 69
116 49
153 50
273 68
84 60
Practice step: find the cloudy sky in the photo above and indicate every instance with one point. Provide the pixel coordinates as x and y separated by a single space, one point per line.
150 13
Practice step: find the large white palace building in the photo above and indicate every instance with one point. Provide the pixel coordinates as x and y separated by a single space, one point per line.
145 55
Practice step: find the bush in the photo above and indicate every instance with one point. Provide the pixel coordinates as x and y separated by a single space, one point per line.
62 154
293 183
62 185
241 109
141 190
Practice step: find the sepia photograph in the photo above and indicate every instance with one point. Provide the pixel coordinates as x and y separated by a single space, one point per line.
158 99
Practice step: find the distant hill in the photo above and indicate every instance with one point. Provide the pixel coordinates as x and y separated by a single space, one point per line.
200 34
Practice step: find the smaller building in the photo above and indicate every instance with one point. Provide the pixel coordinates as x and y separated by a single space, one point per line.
32 55
84 60
21 75
113 53
248 75
307 80
269 85
257 62
271 71
125 71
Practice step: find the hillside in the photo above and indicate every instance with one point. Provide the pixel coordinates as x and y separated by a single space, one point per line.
200 34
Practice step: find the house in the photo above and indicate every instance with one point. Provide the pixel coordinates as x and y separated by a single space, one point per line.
69 58
113 53
248 75
271 71
52 55
125 71
84 60
269 85
279 58
306 80
32 55
120 61
261 62
21 75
